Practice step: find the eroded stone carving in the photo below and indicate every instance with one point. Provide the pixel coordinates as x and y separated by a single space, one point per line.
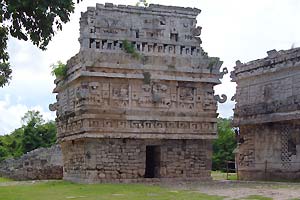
197 31
53 107
224 71
219 99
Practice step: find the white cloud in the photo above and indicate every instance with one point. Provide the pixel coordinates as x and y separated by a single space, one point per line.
11 114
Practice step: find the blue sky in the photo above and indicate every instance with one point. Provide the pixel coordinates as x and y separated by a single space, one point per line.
232 30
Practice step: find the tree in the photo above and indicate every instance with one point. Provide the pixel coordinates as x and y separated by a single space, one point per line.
225 144
10 145
34 133
13 143
32 116
3 153
34 20
43 135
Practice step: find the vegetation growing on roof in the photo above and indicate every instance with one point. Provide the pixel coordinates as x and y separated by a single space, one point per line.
59 70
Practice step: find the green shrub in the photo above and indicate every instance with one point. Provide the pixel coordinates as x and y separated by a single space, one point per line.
128 47
143 2
59 70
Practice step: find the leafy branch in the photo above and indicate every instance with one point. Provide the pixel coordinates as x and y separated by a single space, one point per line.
59 70
33 20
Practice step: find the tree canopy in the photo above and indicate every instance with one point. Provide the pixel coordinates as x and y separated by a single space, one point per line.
34 20
225 144
34 133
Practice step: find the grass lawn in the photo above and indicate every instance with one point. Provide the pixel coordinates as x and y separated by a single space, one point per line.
217 175
256 197
61 190
3 180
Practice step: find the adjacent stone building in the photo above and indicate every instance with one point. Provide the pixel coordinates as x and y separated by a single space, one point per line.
268 115
138 99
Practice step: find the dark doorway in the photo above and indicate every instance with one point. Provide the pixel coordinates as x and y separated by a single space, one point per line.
152 162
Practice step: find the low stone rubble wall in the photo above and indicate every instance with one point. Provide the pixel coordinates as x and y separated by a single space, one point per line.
42 163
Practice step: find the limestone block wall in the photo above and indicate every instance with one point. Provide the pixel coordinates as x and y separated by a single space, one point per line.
270 152
39 164
107 160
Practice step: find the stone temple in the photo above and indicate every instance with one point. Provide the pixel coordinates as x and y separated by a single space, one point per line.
267 113
138 99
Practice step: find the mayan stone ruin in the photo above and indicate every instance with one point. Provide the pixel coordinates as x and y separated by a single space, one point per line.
39 164
267 113
138 102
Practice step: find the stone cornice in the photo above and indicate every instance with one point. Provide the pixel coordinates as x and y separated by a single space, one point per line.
153 9
275 61
82 74
267 118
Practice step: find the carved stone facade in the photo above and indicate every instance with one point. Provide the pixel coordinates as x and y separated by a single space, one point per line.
267 113
138 100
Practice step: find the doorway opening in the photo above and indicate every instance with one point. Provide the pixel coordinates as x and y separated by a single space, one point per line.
152 162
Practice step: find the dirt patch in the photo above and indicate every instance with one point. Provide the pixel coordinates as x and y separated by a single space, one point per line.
241 189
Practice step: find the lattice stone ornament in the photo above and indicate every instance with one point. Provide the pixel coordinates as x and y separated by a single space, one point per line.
285 155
